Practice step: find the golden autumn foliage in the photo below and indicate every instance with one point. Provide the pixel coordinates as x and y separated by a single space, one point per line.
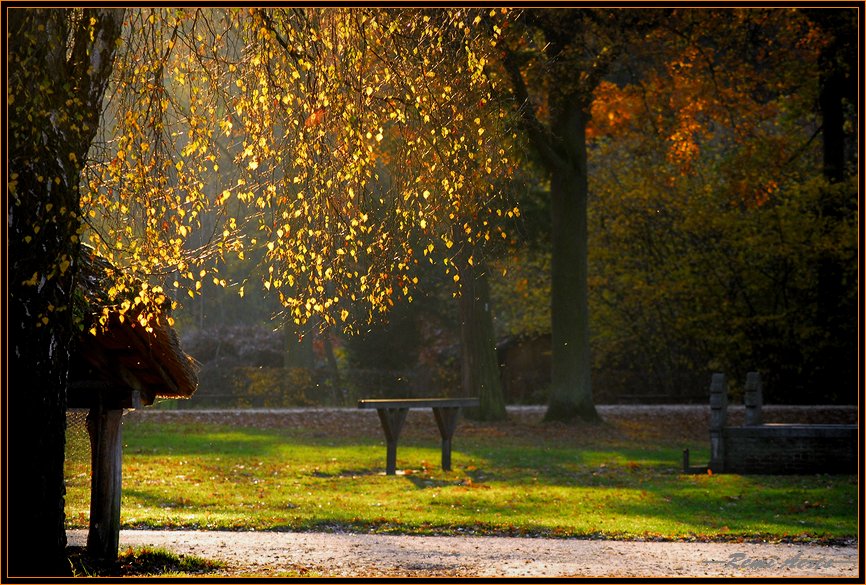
349 144
709 226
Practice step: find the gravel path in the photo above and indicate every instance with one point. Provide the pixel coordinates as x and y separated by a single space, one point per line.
370 555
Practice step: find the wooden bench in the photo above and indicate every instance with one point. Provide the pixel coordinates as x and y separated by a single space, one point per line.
392 415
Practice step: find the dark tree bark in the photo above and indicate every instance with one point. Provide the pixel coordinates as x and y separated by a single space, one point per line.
58 69
837 87
480 365
573 50
571 380
837 305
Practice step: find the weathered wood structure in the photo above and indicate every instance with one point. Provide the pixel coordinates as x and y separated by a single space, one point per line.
757 447
123 366
392 414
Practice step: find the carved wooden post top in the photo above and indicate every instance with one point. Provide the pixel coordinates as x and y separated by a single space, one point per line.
718 401
718 419
753 399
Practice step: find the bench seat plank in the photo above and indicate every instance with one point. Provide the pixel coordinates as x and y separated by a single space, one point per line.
419 403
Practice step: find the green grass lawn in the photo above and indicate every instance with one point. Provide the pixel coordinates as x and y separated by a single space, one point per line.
201 476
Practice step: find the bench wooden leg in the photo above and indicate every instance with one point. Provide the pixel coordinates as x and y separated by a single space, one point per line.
392 420
446 420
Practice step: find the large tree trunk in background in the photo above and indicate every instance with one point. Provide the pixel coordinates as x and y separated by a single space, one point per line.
837 84
571 380
560 147
55 99
836 298
479 364
837 301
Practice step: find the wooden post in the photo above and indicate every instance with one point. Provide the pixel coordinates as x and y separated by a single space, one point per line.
106 449
446 420
718 419
754 399
392 420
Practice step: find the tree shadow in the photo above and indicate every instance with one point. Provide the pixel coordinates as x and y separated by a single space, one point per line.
141 562
736 506
348 473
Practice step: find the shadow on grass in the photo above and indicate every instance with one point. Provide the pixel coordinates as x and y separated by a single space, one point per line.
790 508
348 473
140 562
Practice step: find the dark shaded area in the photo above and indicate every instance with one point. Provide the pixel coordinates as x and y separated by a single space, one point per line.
146 562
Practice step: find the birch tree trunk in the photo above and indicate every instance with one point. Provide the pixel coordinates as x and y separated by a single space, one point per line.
58 69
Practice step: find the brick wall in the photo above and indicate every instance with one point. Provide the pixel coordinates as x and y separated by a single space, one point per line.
790 448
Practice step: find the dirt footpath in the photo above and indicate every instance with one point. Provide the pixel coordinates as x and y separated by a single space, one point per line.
370 555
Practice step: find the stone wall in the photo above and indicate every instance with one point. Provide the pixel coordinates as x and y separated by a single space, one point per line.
758 448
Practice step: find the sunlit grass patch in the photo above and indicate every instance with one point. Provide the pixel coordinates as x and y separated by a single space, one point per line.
211 477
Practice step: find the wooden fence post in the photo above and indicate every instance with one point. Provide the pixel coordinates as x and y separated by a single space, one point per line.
106 453
718 419
754 399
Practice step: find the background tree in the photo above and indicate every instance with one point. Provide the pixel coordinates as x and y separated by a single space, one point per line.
313 107
553 61
704 227
707 226
370 97
840 125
